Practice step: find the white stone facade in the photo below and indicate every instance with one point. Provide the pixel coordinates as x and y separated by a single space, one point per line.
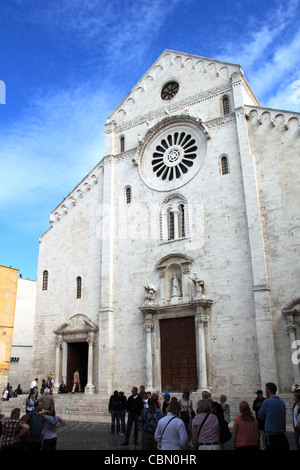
205 182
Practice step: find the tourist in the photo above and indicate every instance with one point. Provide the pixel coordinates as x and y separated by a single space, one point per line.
206 428
36 425
261 423
47 401
30 403
226 408
170 432
245 432
186 411
148 423
52 422
34 387
273 412
76 381
296 418
122 411
135 405
113 408
13 429
166 403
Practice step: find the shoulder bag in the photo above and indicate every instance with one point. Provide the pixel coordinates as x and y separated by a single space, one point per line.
159 444
201 426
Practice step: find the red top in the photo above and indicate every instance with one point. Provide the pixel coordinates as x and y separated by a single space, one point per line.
246 432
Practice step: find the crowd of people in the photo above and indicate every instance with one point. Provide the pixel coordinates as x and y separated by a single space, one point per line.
173 424
170 424
36 429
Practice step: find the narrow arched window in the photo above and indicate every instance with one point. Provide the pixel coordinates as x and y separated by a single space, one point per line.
174 218
78 287
224 165
171 225
128 195
181 221
122 144
45 280
225 102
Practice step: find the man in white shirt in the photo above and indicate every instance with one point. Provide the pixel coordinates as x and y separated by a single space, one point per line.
170 431
34 387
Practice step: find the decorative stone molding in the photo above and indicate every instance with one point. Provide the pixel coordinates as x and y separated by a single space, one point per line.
78 193
172 108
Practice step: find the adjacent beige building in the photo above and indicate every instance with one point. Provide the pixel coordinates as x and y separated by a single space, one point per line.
175 261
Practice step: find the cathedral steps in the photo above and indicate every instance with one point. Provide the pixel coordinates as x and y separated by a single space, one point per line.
80 407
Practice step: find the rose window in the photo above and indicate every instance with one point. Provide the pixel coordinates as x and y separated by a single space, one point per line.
174 156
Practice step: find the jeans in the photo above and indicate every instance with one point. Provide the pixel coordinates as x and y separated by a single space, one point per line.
122 418
133 418
115 417
297 438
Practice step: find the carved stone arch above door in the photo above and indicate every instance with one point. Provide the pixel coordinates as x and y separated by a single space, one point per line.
77 327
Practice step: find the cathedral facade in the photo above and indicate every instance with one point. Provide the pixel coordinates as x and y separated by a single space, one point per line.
175 262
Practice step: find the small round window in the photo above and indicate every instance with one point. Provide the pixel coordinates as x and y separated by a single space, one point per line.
169 91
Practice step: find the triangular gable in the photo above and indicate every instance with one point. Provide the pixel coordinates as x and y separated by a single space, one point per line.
195 74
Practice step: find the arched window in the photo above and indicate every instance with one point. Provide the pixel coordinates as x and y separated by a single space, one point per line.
224 165
173 218
171 232
128 194
225 104
45 280
78 287
122 144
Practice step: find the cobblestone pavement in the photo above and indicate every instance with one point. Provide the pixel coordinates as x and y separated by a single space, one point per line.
95 436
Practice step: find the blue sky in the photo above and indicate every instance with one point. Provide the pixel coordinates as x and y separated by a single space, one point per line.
67 64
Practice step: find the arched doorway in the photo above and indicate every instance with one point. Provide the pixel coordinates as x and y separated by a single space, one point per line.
77 358
75 343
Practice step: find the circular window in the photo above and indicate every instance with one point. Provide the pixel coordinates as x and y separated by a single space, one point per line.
169 91
174 155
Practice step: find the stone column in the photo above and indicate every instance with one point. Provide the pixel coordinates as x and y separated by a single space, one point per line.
201 320
149 328
176 223
90 387
57 372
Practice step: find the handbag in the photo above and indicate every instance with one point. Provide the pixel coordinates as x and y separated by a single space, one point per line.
159 443
225 433
185 416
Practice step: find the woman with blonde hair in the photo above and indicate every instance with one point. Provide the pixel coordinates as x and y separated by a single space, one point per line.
245 432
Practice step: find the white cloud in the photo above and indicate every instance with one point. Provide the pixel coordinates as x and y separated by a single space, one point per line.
270 57
58 140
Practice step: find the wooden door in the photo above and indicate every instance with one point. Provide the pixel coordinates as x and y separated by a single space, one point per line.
178 354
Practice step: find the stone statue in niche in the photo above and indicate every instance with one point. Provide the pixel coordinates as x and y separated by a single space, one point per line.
199 285
176 291
150 293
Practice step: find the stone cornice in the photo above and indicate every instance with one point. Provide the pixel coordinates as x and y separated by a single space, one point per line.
192 305
171 108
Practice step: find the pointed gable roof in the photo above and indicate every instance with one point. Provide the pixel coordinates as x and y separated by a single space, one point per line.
194 73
